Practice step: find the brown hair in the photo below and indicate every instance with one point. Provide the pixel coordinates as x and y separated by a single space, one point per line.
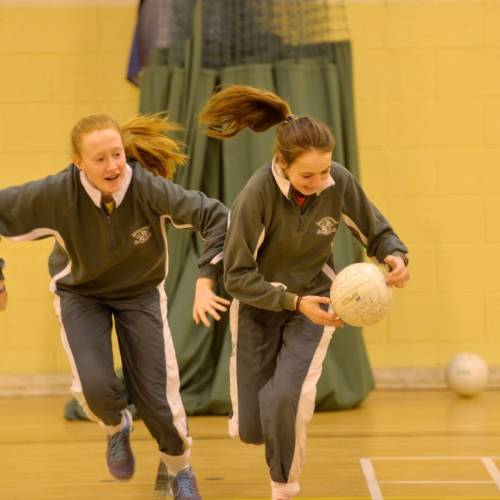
144 139
237 107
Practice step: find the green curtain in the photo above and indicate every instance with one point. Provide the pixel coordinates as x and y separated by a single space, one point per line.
317 87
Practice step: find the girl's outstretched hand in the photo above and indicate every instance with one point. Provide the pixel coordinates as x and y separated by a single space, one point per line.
207 302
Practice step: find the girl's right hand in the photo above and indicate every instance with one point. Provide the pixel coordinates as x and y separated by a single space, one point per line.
310 307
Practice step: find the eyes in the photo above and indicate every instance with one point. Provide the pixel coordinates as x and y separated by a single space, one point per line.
323 173
116 155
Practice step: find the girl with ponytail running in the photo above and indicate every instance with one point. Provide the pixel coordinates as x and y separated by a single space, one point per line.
278 267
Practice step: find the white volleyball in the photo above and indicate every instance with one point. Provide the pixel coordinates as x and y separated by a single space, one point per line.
360 294
467 374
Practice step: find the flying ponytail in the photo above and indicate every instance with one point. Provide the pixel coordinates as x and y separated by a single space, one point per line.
237 107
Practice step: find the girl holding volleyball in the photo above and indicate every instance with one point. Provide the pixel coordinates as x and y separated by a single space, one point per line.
109 212
278 267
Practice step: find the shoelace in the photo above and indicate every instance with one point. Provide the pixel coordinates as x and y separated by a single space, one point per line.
118 445
185 484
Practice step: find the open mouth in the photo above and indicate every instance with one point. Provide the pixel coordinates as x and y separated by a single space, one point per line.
112 177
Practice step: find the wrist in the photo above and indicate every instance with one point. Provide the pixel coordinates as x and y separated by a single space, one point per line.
202 283
297 302
402 256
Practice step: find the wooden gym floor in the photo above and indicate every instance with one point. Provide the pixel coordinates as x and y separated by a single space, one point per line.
398 445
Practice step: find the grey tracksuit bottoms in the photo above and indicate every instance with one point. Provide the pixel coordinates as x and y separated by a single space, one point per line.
148 361
275 365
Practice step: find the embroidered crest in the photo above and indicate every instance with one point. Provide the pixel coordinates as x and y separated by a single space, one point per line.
141 235
327 225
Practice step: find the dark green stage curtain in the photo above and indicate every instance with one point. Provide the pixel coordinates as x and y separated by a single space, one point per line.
319 87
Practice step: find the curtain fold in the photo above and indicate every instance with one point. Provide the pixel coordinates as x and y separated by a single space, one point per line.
317 86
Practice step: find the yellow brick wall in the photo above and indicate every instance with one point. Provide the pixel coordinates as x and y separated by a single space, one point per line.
58 63
427 102
427 87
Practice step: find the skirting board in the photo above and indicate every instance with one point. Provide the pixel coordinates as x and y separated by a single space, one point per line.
422 378
49 384
385 378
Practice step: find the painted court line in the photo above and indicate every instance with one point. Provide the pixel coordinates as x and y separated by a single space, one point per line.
373 483
434 457
371 479
435 482
492 469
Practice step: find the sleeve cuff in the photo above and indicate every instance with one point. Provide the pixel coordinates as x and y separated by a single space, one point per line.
214 272
288 301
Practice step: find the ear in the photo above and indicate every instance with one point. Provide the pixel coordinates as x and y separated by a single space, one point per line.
77 162
281 161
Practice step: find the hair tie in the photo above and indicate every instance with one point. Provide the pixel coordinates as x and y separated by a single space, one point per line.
291 118
297 304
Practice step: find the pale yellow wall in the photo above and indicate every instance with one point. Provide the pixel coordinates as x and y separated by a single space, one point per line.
427 84
57 64
427 92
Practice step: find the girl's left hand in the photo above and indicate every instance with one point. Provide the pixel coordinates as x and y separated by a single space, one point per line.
399 275
206 301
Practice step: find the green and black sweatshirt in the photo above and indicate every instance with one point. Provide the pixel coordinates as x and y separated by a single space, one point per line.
276 249
117 255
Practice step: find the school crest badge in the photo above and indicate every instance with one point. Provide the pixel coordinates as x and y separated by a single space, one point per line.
141 235
326 226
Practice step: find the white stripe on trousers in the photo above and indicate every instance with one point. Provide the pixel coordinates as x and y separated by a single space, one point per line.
233 381
307 400
76 384
174 463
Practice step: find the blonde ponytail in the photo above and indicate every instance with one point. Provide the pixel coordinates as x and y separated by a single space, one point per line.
145 140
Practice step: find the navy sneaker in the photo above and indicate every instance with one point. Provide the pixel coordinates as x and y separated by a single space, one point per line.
119 457
183 486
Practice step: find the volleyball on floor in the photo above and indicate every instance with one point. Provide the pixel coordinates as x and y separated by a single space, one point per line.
467 374
360 295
